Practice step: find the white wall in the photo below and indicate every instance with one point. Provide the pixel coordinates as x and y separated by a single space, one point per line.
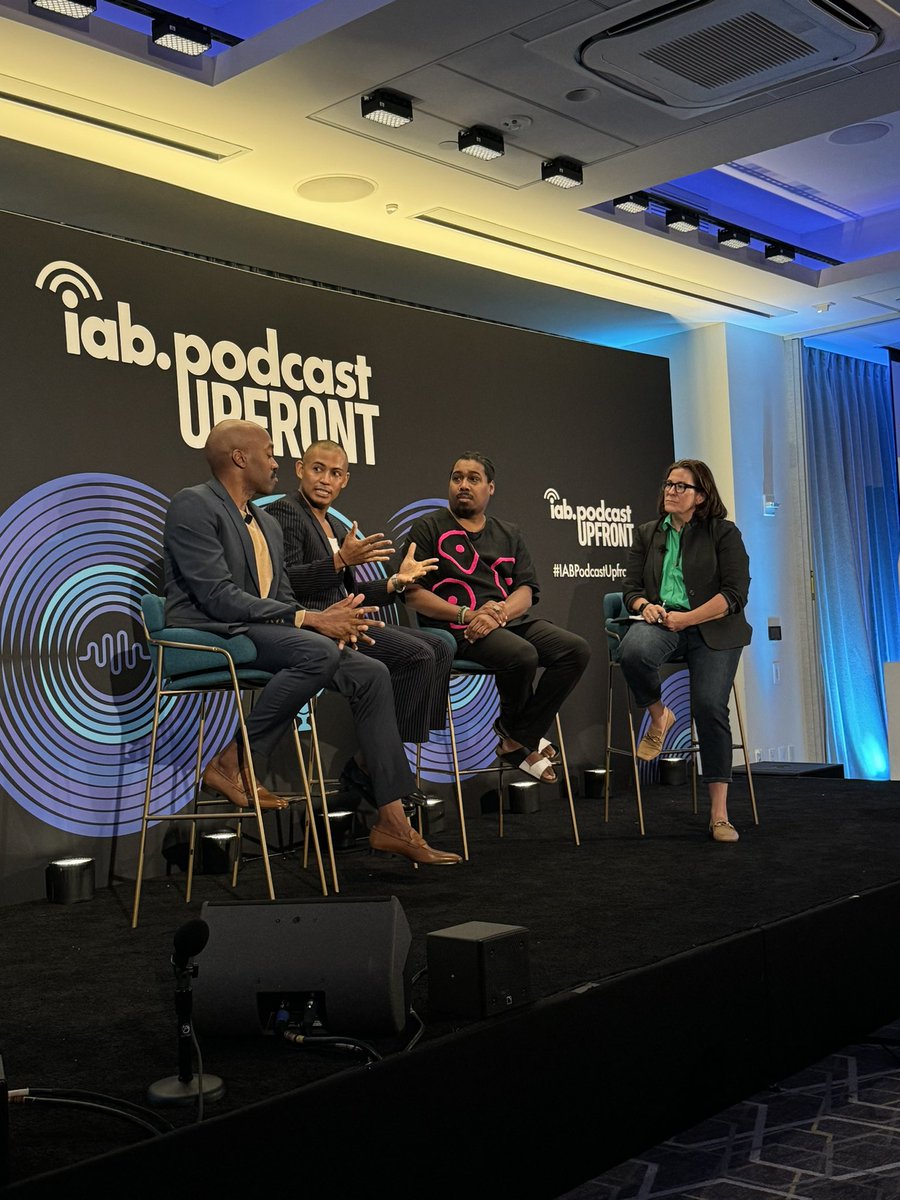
736 405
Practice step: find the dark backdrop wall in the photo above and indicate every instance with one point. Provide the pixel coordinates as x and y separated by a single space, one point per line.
116 359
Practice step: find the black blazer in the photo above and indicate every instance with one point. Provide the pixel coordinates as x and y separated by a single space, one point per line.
210 565
713 560
309 559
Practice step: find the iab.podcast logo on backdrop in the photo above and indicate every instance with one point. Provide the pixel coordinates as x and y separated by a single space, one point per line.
599 524
297 397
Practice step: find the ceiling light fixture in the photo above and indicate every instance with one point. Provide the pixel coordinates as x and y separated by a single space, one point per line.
681 220
480 142
777 253
562 172
66 8
387 108
734 239
184 37
637 202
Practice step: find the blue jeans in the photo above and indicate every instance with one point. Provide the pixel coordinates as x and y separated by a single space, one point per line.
644 650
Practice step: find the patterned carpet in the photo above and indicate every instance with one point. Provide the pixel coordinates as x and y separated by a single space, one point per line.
831 1132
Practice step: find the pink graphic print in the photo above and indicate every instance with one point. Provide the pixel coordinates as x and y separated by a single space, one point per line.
457 592
455 546
502 569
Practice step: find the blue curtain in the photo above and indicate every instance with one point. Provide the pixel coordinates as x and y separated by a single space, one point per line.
855 520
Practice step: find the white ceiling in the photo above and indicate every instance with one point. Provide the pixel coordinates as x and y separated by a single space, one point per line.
274 124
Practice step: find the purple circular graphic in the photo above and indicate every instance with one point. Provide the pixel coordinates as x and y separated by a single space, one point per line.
76 554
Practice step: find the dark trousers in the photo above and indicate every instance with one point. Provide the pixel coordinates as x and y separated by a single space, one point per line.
302 664
644 650
514 654
419 665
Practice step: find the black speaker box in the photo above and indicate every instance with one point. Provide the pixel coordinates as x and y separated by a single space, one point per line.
350 955
477 969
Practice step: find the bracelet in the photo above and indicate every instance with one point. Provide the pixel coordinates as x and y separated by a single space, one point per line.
461 615
639 610
341 557
399 587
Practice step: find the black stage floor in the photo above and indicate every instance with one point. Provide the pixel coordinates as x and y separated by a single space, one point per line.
671 976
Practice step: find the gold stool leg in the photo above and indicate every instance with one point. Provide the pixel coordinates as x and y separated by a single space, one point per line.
456 776
310 816
740 717
145 816
318 761
565 767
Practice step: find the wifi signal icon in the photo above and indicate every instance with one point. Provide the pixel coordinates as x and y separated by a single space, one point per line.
552 495
74 281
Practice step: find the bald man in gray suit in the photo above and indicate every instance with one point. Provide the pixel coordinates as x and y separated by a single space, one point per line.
224 566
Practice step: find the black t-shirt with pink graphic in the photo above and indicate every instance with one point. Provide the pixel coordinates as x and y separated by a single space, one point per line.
473 567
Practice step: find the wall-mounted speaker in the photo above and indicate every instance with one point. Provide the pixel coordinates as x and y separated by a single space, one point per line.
348 956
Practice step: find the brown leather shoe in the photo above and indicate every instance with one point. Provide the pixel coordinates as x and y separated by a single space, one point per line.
651 744
723 831
231 787
413 846
267 799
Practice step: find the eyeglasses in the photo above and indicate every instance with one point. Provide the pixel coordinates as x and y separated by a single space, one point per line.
679 488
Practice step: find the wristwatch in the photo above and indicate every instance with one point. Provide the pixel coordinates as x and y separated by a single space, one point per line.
399 587
640 608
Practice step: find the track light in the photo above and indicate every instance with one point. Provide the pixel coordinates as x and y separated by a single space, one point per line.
184 37
734 239
66 8
681 220
480 142
562 172
387 108
777 253
637 202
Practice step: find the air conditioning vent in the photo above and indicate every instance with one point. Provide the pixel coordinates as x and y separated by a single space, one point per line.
701 55
729 51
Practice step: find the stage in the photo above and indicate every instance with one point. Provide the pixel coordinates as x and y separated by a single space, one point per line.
671 977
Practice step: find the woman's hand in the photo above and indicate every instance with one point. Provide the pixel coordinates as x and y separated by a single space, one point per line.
654 614
676 621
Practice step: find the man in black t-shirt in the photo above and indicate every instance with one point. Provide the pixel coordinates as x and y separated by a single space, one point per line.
483 591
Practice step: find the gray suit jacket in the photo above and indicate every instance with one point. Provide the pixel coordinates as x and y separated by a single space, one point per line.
210 566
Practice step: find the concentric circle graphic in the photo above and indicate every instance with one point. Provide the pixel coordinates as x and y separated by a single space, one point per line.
676 695
76 554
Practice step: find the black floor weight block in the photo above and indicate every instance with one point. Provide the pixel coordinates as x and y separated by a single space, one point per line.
351 956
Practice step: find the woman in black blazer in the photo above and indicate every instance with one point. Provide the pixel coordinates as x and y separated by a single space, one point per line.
687 578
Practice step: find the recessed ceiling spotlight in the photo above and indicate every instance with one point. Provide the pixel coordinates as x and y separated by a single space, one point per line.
777 253
681 220
480 142
184 37
855 135
562 172
637 202
734 239
387 108
66 8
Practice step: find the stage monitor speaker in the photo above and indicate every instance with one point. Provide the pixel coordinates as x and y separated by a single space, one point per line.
349 955
477 969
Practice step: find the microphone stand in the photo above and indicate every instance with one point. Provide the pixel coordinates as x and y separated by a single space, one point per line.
185 1087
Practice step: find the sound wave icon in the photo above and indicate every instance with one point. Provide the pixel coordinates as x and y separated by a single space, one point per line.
552 495
119 653
68 275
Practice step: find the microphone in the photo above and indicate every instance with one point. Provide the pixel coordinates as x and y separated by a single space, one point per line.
248 520
189 940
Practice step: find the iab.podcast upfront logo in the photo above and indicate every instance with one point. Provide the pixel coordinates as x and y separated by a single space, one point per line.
598 524
298 398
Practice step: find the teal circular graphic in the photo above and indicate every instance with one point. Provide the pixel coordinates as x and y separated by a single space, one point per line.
76 554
